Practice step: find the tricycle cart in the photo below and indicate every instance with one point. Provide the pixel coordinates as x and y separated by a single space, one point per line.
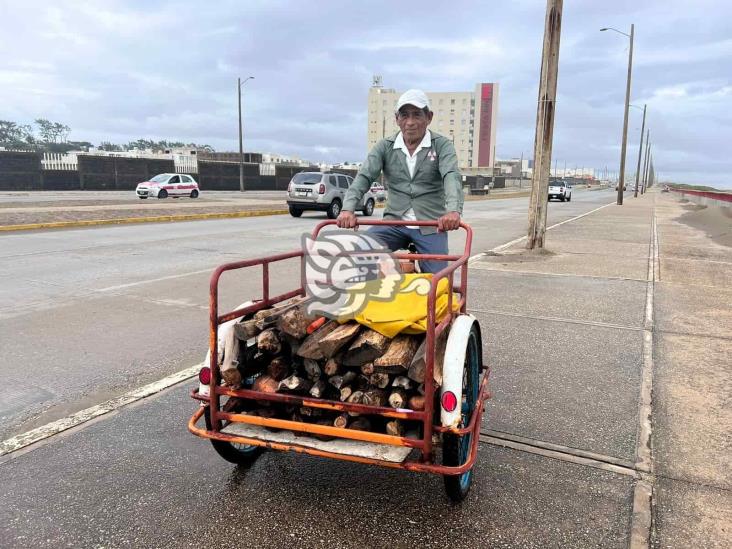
452 412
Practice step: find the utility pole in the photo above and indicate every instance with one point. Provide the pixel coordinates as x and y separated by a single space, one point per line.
241 143
640 153
544 124
648 150
521 170
645 161
564 171
555 167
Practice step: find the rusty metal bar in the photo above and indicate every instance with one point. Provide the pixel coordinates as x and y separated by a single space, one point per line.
259 305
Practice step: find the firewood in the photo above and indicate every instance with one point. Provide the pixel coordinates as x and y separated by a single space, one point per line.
338 338
420 389
341 421
418 365
328 423
265 384
332 367
340 381
398 355
318 389
398 398
307 411
246 330
368 346
416 402
402 381
374 397
355 398
269 342
367 369
312 369
361 382
345 393
395 428
267 318
360 424
379 380
230 363
278 368
309 348
294 322
295 384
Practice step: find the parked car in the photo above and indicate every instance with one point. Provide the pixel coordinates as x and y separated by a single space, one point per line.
561 190
323 191
168 184
378 191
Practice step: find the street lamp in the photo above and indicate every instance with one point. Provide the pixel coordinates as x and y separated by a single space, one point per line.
640 152
240 83
621 183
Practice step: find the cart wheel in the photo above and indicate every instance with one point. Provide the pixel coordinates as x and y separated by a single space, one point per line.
241 454
455 449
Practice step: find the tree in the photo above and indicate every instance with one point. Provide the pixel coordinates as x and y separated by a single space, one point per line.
13 135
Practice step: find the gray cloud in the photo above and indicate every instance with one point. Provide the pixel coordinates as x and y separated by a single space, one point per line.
121 70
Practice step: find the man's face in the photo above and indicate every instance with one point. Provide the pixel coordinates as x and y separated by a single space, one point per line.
413 122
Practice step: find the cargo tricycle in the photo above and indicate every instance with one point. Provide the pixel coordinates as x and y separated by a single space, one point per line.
450 417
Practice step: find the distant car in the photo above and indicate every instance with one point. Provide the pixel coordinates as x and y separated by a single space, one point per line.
324 192
378 191
665 189
168 184
560 190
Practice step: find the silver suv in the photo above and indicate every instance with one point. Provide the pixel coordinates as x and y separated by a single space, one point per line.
323 191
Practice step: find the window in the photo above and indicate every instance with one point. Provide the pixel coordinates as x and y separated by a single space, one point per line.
174 179
187 179
342 182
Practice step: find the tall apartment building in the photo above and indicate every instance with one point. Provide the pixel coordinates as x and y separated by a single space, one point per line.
468 118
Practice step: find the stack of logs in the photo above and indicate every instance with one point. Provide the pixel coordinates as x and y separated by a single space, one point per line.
283 350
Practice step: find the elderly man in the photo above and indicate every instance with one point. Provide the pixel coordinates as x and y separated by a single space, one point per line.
424 183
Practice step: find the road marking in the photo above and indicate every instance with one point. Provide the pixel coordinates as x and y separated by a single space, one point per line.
50 429
490 267
140 282
36 435
556 319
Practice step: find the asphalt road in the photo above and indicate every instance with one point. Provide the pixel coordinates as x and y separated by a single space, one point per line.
88 314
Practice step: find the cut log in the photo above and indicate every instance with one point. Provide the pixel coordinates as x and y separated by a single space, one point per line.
267 318
374 397
318 389
395 428
367 369
368 346
418 366
341 381
416 402
341 421
294 322
360 424
310 348
345 393
269 342
355 398
338 338
312 369
398 355
379 380
332 367
295 384
402 381
265 384
361 382
278 368
307 411
420 389
398 398
230 363
246 330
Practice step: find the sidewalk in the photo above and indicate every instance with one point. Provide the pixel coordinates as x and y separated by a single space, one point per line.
579 334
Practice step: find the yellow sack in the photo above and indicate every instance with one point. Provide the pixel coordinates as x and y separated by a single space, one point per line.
406 312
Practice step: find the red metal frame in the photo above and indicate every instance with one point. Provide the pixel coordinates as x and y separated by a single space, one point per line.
713 195
426 416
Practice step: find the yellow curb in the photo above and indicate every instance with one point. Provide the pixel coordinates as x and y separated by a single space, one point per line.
126 220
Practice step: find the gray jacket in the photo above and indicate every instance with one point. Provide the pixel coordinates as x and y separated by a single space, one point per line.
435 189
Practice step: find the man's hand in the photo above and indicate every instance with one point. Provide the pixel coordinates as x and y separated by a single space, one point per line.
346 220
449 222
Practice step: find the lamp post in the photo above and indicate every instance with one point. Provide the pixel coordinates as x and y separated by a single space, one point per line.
640 152
240 83
621 183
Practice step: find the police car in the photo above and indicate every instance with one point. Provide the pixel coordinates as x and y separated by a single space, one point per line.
168 184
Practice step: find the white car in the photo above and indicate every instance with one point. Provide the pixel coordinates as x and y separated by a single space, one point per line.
168 184
378 190
561 190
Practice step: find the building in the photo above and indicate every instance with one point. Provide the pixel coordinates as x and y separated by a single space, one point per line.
468 118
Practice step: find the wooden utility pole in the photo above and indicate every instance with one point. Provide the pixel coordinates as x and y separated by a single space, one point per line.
241 146
544 124
640 153
645 169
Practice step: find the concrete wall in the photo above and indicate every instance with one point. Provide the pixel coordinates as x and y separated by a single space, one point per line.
20 171
118 173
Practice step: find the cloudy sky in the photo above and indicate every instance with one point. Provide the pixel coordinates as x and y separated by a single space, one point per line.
120 70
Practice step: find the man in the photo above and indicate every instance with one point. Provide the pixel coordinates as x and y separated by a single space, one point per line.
424 183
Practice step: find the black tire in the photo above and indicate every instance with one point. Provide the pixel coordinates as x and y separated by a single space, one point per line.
163 194
239 454
334 209
295 212
569 198
368 208
455 449
561 198
194 193
142 197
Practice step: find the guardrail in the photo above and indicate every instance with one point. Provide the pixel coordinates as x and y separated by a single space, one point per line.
707 198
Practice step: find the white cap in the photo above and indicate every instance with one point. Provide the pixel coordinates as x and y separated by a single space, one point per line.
413 97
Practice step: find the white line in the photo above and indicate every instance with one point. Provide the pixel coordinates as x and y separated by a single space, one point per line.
50 429
140 282
30 437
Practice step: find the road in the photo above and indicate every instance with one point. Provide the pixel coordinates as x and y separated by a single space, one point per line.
88 314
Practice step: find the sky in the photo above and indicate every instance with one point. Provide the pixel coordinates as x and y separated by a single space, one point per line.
122 70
